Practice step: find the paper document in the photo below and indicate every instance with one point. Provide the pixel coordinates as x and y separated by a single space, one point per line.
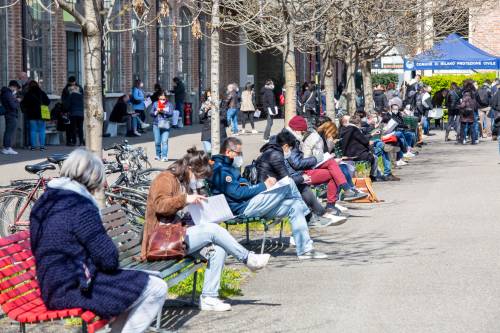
147 102
213 210
326 157
282 182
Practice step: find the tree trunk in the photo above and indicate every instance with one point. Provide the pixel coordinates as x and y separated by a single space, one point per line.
92 59
290 78
214 78
366 72
329 82
351 84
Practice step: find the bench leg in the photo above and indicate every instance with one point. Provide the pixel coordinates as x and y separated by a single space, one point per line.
193 292
281 232
248 232
84 327
266 228
22 327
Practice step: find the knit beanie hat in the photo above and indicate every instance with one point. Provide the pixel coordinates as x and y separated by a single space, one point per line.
298 123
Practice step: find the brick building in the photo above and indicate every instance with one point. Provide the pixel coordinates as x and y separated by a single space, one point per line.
484 29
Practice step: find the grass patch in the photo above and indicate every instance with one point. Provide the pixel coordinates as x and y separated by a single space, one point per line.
257 226
230 283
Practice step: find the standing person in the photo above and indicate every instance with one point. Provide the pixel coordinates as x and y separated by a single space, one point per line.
309 102
32 103
484 100
11 105
138 99
426 107
162 112
232 107
380 99
206 118
269 104
77 262
71 83
157 91
452 101
468 107
495 110
73 104
24 81
179 92
391 91
248 107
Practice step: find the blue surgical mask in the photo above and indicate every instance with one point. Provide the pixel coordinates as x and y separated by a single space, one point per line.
238 162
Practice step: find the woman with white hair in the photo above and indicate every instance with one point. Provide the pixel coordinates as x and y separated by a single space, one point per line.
77 262
232 104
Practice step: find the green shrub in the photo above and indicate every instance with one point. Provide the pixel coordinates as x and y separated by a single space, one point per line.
384 79
438 82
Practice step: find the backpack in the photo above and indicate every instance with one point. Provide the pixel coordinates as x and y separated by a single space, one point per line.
484 97
133 100
250 173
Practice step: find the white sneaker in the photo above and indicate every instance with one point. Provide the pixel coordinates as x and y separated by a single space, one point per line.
213 304
9 151
313 254
164 159
341 208
401 163
242 131
291 241
255 132
157 158
408 155
257 261
145 125
334 219
137 133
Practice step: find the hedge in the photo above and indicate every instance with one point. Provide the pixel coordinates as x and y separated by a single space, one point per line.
384 79
438 82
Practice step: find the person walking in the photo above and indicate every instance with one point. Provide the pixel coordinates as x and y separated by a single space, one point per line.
73 104
452 101
138 99
248 107
179 92
468 108
232 107
11 105
162 112
269 104
32 103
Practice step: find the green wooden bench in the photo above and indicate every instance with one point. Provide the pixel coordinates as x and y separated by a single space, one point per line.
266 223
128 238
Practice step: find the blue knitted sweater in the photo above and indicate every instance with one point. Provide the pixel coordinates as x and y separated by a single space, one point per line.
66 231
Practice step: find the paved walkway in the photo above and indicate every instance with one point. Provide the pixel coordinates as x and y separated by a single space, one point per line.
425 260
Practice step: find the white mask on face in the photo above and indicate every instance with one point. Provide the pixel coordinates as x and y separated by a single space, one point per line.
194 183
238 162
141 85
287 154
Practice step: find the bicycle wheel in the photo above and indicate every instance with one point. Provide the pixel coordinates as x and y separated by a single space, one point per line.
14 204
148 175
132 203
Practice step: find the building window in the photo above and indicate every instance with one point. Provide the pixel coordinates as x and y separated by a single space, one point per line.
4 56
112 70
185 52
165 52
139 52
38 43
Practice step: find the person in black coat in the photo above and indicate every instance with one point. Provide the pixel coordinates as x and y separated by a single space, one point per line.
355 144
122 112
73 105
10 104
32 103
268 101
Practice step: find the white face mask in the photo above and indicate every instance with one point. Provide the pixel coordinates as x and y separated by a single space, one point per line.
141 85
238 162
195 184
287 154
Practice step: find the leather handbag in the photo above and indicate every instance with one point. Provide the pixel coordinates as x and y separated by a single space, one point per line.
167 242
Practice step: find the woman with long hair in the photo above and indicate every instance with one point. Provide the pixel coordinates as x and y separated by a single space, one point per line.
247 107
170 192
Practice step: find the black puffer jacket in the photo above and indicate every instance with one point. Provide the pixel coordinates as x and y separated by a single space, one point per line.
267 98
380 100
355 144
271 163
452 101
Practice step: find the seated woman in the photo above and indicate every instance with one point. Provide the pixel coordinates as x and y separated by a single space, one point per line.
122 112
309 144
170 192
77 262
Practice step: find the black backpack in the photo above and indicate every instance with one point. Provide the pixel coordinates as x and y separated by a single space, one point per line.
250 173
484 97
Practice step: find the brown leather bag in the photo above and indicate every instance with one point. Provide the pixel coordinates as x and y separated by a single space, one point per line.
167 242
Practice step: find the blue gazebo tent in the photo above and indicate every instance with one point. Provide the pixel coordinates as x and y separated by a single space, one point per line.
453 52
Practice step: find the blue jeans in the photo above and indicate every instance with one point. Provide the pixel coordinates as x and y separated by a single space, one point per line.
378 149
207 146
475 126
10 129
37 130
411 138
347 174
202 235
232 117
284 201
161 141
426 125
179 106
402 144
465 129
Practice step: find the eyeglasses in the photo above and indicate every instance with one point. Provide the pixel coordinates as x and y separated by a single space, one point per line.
239 153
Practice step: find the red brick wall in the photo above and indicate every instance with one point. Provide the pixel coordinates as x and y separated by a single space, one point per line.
15 58
59 68
484 29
